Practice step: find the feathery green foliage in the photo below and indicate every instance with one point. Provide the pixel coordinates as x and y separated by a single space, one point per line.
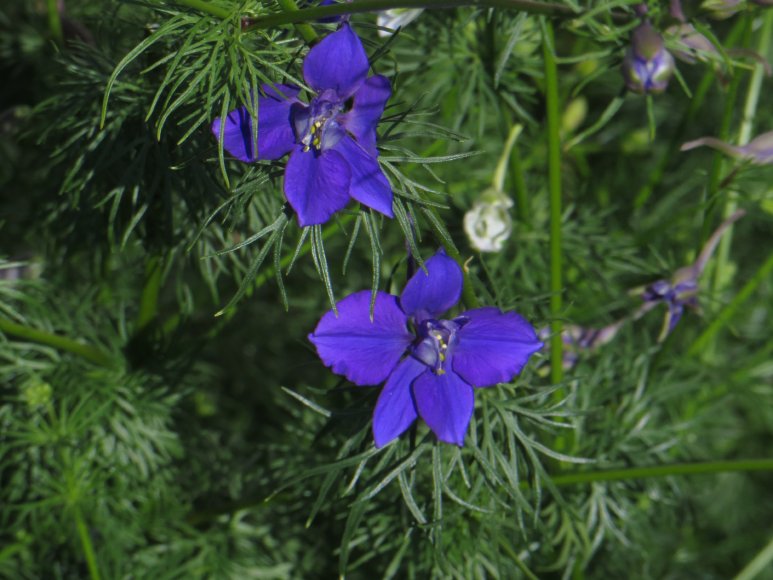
162 414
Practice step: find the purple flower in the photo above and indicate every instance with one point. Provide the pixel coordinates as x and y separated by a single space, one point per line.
682 289
676 294
647 66
331 141
430 365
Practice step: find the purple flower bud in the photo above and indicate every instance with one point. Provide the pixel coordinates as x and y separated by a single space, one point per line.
691 45
759 151
721 9
647 66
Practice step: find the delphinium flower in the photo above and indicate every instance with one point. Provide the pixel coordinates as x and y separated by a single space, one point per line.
431 365
682 288
331 140
758 151
647 66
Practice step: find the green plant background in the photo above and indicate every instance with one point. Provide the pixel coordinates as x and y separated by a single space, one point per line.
162 414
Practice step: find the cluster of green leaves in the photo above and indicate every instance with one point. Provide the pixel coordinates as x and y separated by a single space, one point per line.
143 436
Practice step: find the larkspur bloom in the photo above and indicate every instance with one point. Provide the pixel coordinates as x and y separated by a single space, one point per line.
682 289
331 141
647 66
431 365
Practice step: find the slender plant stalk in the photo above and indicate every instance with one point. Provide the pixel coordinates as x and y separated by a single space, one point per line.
554 185
518 183
306 31
149 299
54 21
630 473
744 136
728 312
88 548
206 7
88 352
738 36
552 9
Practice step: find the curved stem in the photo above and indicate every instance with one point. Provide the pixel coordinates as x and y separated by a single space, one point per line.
88 548
88 352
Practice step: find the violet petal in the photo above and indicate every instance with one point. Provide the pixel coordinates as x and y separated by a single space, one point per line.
364 352
367 107
338 62
430 293
492 347
395 410
445 402
369 185
316 184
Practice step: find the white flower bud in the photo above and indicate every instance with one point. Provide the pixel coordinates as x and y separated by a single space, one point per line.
488 223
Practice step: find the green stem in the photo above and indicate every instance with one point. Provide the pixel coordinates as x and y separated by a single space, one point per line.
206 7
149 299
307 32
88 548
554 185
54 21
744 136
729 311
626 474
62 343
670 154
738 36
316 13
664 471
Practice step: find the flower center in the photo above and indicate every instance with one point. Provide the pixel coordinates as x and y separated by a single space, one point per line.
435 342
316 126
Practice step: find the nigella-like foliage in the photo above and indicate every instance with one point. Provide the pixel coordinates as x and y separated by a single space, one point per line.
647 66
431 365
331 140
